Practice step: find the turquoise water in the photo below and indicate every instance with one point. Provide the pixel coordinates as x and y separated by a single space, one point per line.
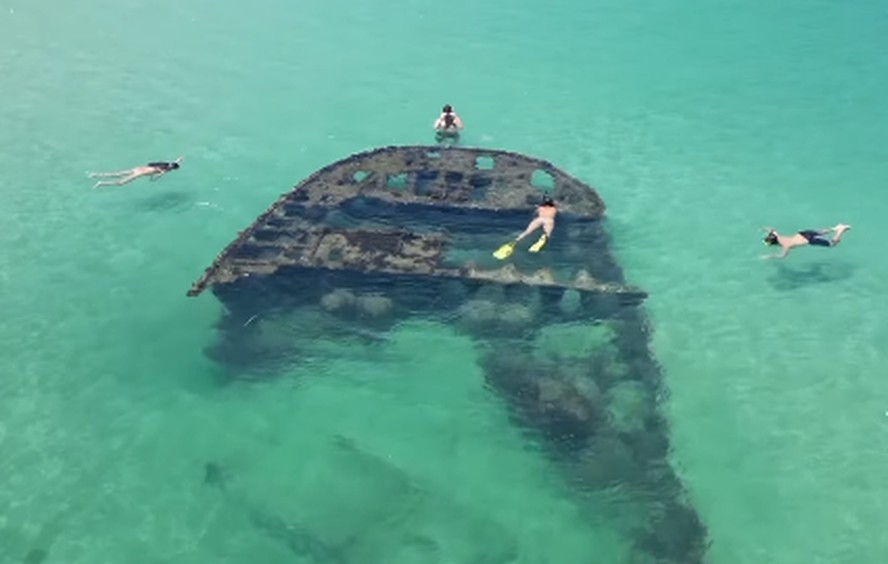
697 124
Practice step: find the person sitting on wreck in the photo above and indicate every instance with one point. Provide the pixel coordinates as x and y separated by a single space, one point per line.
545 218
807 237
154 170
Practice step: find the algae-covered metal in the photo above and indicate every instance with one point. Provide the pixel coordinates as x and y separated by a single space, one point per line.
429 189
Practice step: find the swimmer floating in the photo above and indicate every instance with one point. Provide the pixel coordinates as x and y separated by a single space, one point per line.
807 237
154 170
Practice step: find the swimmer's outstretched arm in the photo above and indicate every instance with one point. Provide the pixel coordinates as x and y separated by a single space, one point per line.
782 254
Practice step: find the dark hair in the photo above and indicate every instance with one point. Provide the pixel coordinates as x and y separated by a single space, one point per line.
447 109
174 165
548 201
771 238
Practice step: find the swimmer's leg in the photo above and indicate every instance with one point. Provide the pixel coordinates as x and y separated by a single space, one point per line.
506 250
548 225
120 182
533 226
107 174
839 231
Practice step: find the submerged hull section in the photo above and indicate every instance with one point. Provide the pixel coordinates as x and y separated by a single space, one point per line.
403 232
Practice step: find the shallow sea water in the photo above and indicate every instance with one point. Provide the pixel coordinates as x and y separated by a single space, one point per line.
697 125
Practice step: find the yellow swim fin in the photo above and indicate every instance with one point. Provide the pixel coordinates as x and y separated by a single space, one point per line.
505 251
535 248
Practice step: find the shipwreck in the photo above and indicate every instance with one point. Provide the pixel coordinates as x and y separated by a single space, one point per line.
409 231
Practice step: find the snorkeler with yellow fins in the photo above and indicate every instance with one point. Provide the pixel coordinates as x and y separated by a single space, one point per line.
545 218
